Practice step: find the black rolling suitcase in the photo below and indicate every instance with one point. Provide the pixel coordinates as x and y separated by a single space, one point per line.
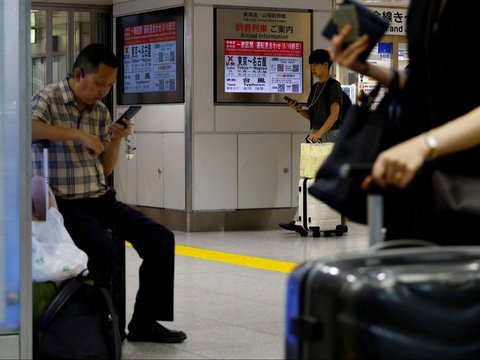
118 285
401 299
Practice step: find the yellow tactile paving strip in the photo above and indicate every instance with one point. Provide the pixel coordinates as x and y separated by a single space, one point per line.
234 259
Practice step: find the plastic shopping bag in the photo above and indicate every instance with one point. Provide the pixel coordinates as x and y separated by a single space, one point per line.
312 157
54 254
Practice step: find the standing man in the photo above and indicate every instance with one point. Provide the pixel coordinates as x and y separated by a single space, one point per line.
84 148
322 108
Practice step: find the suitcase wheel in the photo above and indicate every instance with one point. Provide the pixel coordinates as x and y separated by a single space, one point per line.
303 233
315 231
339 230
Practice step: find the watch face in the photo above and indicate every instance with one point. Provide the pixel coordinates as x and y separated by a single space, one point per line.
432 144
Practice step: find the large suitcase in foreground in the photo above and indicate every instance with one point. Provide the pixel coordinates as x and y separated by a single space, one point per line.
315 216
403 303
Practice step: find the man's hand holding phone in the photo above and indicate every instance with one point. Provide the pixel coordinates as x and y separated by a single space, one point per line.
121 128
128 114
294 104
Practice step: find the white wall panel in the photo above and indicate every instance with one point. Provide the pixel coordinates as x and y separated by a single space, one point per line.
174 171
155 118
264 171
243 118
150 169
214 171
156 174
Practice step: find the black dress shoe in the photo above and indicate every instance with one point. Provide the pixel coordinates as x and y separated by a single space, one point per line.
290 226
155 332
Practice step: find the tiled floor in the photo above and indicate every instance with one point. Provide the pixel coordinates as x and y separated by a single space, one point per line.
230 311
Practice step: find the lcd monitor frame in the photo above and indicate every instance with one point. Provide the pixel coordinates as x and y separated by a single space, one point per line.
150 49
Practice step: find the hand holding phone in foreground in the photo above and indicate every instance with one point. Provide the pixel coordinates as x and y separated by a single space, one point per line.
359 30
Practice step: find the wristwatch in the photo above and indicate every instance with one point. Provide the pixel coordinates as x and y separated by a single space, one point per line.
432 146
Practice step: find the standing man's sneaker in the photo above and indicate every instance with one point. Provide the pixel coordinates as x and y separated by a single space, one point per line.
290 226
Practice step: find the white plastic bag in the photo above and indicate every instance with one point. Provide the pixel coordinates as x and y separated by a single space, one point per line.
54 254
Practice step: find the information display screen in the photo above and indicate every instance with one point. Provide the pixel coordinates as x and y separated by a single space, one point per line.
150 49
263 67
149 58
261 55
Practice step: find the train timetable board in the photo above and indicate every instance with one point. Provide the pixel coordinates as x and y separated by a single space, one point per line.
150 52
261 55
263 67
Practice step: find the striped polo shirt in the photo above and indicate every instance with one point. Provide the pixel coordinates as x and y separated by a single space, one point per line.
73 172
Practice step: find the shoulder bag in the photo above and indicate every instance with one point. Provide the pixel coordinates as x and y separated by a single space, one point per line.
364 134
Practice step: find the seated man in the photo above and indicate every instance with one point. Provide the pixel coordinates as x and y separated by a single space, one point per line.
84 148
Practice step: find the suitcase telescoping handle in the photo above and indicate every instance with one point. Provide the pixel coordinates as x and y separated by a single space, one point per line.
375 212
45 144
374 201
309 141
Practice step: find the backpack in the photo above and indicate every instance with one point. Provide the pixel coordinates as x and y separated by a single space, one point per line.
347 102
80 323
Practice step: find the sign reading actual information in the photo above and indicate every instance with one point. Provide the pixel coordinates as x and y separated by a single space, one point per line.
261 55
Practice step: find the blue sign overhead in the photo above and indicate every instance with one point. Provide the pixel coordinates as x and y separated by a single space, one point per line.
385 48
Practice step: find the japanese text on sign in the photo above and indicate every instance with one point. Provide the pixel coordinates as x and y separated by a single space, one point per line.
396 17
263 66
150 57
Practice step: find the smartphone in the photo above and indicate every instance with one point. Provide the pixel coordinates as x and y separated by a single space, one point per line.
367 23
290 100
347 14
129 114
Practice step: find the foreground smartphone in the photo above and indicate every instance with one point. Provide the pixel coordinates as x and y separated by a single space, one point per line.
363 21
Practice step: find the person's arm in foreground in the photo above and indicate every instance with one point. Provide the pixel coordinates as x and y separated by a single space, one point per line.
397 165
